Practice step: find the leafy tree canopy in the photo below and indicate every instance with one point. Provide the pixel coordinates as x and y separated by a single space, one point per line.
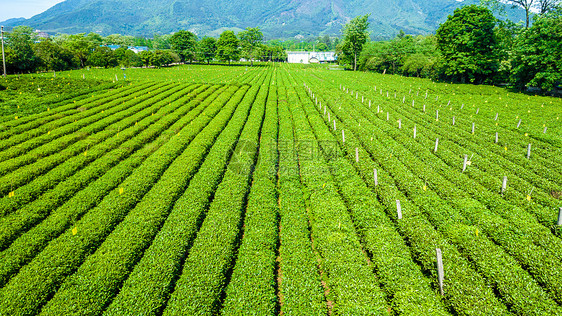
468 45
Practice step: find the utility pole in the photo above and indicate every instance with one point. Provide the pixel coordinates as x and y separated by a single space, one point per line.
3 56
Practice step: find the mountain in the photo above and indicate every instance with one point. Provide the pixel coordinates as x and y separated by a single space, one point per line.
276 18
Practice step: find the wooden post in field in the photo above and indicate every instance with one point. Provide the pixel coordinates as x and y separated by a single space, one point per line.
398 209
440 272
464 163
415 131
504 184
519 124
343 135
356 154
497 137
560 217
529 151
436 144
375 177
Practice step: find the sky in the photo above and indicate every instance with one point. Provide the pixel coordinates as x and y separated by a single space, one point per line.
24 8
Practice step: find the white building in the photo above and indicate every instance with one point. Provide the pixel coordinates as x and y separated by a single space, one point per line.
310 57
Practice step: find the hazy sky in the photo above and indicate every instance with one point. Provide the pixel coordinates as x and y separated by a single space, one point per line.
24 8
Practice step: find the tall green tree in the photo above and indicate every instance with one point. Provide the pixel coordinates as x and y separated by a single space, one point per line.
184 43
227 47
80 47
250 39
468 45
207 49
355 36
53 56
538 53
103 56
19 52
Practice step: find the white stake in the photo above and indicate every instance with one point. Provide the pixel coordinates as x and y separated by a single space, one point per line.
496 137
440 272
328 116
437 115
404 99
436 144
334 125
369 103
415 131
398 209
472 128
477 110
453 120
560 217
399 123
464 163
529 151
544 132
343 135
356 154
387 116
519 124
504 184
424 108
375 176
496 117
378 109
426 94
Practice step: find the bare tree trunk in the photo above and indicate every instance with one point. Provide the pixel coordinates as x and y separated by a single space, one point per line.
355 61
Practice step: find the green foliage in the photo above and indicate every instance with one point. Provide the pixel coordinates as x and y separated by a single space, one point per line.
102 57
355 36
207 49
19 53
538 53
405 55
227 47
184 43
53 57
468 45
250 40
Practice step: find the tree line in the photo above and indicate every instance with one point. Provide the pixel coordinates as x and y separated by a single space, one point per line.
471 46
26 52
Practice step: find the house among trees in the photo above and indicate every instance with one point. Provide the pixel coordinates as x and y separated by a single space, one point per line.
308 57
